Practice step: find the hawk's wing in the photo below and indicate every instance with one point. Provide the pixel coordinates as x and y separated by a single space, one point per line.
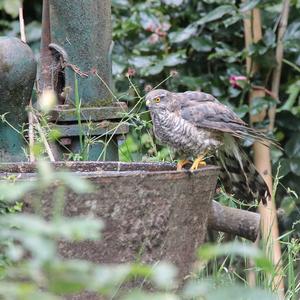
205 111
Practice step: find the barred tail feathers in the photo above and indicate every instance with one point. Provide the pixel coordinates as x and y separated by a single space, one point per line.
239 175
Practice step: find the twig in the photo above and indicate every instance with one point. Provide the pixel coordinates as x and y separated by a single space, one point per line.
279 58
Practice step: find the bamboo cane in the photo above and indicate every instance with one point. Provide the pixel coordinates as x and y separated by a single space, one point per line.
262 160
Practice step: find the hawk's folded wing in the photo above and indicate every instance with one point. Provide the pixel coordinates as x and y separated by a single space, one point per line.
205 111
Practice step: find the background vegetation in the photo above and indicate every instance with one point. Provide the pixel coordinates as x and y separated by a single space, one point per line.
199 45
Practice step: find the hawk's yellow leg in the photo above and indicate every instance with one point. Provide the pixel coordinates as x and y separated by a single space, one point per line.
198 163
182 163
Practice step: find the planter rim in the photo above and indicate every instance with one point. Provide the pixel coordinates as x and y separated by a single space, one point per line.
109 168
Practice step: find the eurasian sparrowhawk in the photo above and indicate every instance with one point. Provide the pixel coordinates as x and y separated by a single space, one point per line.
195 124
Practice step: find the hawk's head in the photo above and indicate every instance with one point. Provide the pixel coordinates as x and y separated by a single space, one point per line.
160 99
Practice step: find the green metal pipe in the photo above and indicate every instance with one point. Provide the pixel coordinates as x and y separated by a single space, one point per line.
83 29
17 75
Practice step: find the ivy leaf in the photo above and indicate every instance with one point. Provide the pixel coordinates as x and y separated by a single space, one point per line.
120 3
202 43
183 35
174 59
152 70
292 147
217 13
288 121
142 61
173 2
250 4
295 165
269 38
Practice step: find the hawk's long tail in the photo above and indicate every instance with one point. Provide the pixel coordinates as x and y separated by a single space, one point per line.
238 174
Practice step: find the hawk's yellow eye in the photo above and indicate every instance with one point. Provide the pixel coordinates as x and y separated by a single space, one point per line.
157 100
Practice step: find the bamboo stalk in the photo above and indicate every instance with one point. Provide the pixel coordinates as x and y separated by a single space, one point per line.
272 112
262 160
251 275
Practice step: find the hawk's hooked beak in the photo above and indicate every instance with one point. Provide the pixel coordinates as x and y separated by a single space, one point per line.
147 103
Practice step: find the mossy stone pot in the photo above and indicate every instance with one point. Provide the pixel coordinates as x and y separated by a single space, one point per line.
151 211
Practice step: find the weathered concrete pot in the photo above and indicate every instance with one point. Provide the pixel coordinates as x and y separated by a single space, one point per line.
151 211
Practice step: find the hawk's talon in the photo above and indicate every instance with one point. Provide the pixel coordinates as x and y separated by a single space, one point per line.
181 163
198 163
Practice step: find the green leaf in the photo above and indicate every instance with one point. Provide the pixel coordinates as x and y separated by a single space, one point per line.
242 110
239 292
68 277
152 70
248 5
33 31
142 61
232 20
75 182
140 295
120 3
16 190
202 43
174 59
217 13
164 275
293 91
24 291
211 251
284 166
77 229
292 147
295 165
173 2
258 105
183 35
287 120
269 38
117 67
11 7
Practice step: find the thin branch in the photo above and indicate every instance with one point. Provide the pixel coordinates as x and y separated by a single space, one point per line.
279 58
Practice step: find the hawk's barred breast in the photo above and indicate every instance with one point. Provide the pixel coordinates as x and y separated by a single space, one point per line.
183 136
